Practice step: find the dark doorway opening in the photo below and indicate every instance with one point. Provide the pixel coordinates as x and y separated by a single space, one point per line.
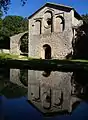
47 49
47 55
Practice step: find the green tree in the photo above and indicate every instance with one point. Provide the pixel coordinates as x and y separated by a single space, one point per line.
11 25
14 25
80 42
4 4
85 18
1 23
1 14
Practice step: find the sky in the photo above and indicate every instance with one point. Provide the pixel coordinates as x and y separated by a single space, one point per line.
31 6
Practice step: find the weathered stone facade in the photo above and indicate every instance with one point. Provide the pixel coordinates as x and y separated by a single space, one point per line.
52 25
15 43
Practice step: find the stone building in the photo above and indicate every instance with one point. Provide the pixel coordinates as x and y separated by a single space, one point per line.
51 31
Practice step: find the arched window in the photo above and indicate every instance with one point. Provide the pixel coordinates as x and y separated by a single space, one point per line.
37 27
48 28
60 24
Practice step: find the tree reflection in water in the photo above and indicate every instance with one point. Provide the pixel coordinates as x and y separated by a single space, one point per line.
80 84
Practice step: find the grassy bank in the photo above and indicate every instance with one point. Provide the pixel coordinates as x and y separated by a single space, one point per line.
22 62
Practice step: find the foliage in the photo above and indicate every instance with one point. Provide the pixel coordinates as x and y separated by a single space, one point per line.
6 56
23 2
1 14
4 4
13 91
80 43
24 44
14 25
85 17
4 41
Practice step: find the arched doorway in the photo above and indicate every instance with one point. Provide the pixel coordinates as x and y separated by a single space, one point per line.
47 51
47 55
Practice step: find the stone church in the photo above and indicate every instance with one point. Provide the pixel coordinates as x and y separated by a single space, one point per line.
51 31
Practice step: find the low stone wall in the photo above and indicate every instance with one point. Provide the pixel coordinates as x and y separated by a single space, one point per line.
4 51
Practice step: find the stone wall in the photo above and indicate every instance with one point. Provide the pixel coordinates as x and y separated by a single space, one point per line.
15 43
4 51
60 45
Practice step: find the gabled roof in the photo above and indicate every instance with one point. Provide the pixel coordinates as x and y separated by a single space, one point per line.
49 4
